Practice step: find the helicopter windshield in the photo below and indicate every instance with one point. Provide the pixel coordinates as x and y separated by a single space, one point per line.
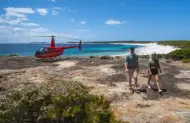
41 49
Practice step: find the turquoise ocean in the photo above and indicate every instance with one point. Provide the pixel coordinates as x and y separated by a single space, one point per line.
28 49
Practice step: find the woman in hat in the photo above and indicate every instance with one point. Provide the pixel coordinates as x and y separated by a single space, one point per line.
154 68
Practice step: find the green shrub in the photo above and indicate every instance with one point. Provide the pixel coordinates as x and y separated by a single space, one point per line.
181 44
186 60
12 55
180 54
106 57
63 102
93 57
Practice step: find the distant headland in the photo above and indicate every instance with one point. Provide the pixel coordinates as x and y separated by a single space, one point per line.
38 42
102 42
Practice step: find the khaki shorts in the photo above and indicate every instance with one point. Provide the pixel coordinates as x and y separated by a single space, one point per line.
132 73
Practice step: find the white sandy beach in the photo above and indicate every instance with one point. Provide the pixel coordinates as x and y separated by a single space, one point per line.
149 48
154 47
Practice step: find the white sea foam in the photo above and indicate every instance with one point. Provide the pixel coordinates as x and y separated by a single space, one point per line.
149 48
159 49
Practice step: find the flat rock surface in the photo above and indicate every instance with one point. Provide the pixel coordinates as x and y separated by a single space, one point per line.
108 78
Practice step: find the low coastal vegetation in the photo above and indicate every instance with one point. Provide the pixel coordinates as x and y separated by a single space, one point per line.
180 44
106 57
10 55
180 54
63 102
186 60
13 55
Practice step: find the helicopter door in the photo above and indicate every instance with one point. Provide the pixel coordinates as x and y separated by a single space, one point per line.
51 50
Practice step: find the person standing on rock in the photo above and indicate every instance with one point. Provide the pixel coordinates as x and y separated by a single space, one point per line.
132 67
154 68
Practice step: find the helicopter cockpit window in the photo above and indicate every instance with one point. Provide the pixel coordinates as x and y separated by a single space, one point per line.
45 49
41 49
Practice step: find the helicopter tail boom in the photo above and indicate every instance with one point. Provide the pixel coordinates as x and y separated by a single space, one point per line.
79 46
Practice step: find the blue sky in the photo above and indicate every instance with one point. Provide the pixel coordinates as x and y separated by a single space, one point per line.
96 20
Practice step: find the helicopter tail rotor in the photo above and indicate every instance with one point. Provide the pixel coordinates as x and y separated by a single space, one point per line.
52 41
80 45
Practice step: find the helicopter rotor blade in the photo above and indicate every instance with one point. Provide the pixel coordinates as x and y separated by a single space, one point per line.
67 38
46 36
29 37
37 36
43 36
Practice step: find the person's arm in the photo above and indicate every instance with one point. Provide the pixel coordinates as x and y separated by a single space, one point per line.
137 63
159 66
149 65
126 69
126 64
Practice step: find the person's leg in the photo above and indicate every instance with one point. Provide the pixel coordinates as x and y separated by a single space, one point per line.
130 74
158 83
135 76
149 78
135 82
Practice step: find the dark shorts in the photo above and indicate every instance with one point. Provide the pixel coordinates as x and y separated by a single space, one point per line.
154 71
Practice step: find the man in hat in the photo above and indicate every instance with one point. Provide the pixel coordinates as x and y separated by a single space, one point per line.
132 66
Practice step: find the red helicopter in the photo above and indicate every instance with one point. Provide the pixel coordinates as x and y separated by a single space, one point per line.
52 51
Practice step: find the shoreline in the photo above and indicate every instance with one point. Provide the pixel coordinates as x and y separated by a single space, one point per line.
149 48
145 49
